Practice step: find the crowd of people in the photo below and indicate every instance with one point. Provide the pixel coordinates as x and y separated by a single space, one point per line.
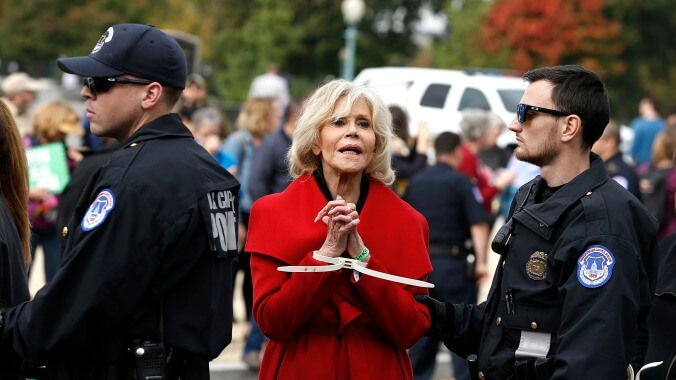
324 183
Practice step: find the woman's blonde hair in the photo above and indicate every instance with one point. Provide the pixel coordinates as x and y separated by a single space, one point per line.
319 110
14 178
255 116
55 118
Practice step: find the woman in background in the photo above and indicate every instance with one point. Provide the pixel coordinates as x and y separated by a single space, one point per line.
52 122
14 230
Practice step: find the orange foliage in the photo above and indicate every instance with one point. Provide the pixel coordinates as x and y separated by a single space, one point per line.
543 33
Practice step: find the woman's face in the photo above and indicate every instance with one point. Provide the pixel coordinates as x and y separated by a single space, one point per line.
346 145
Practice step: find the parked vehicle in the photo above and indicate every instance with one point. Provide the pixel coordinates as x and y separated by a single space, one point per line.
439 96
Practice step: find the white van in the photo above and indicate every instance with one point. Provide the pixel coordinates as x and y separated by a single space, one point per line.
439 96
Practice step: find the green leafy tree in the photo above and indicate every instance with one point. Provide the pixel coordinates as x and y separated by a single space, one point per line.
649 57
462 48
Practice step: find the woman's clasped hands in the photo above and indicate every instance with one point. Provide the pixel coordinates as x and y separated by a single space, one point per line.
341 219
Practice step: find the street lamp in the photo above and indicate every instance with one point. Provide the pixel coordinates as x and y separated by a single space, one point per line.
353 11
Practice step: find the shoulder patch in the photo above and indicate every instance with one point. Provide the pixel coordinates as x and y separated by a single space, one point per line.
595 266
98 210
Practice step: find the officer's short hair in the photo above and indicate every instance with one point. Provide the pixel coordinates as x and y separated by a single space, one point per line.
446 142
578 91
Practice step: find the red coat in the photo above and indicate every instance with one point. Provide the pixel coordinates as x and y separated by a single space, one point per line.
327 325
472 167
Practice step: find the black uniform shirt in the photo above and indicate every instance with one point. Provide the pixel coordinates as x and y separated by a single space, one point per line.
447 200
624 174
156 223
581 266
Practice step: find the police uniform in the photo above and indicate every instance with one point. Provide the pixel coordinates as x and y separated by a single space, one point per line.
578 271
146 256
449 202
624 174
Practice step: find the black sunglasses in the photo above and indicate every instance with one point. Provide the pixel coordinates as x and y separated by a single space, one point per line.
522 109
101 85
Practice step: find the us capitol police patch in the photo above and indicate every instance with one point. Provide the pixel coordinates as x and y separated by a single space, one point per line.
595 266
536 267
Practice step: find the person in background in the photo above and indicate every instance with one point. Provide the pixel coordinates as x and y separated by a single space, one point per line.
408 157
490 154
646 127
271 85
657 180
661 343
52 122
458 242
258 118
338 324
14 230
206 125
576 246
19 93
148 254
608 148
474 125
269 175
193 98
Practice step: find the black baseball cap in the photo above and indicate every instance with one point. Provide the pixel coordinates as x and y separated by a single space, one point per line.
140 50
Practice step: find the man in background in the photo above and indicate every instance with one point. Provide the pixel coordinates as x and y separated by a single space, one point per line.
459 229
608 147
19 92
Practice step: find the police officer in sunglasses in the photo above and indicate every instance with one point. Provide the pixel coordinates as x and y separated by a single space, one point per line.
578 264
144 286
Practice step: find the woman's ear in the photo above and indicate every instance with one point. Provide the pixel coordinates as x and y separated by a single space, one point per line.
316 150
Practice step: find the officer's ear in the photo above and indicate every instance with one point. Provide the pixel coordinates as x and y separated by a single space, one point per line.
152 96
571 127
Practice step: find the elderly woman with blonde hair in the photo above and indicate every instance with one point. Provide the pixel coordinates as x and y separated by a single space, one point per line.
339 213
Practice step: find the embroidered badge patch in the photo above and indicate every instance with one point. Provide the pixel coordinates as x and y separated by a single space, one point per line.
98 210
595 266
536 267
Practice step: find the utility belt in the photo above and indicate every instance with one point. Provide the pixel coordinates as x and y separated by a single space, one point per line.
534 368
456 251
155 361
532 362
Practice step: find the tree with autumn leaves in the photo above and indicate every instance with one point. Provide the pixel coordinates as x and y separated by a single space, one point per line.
627 42
546 33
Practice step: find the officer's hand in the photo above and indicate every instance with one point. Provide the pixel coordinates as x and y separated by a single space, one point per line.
438 328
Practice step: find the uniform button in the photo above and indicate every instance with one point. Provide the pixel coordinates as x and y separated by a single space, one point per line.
503 263
498 321
133 144
533 325
64 232
589 193
481 375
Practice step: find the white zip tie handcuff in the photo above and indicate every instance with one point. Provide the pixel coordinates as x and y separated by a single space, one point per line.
337 263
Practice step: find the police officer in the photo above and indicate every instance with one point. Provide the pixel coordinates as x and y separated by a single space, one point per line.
145 279
458 231
578 255
608 148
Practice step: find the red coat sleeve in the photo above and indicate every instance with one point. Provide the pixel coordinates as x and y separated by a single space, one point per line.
283 302
392 307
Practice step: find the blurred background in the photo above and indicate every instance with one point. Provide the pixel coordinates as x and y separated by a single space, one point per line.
630 43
